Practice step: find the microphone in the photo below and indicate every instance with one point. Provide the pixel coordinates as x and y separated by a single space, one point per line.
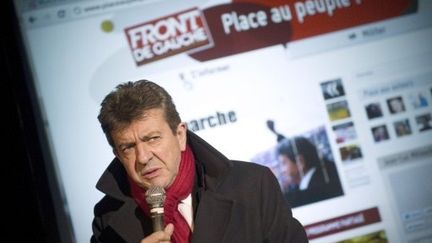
155 198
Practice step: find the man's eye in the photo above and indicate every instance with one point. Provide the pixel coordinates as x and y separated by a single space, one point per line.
154 138
126 149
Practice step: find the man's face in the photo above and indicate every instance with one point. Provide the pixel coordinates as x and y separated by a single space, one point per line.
290 168
149 151
397 105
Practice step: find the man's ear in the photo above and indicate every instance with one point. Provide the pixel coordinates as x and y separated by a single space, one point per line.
115 153
181 135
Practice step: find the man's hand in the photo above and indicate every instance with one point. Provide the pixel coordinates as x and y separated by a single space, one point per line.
160 236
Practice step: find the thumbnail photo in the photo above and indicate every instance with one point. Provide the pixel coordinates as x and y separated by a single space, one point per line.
424 122
304 165
338 110
345 132
332 89
376 237
350 153
396 105
402 128
373 110
380 133
418 100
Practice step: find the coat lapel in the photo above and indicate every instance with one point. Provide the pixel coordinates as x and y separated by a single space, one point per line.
214 218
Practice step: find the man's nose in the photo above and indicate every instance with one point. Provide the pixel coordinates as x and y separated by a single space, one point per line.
143 154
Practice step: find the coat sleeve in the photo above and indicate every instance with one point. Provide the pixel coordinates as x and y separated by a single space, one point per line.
278 223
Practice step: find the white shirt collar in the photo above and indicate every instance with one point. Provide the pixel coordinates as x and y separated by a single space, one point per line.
304 183
186 210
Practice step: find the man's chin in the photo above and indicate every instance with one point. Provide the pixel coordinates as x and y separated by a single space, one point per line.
159 182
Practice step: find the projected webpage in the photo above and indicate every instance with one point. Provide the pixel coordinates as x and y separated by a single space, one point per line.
249 76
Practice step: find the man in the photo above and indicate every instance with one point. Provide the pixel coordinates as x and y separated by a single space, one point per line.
229 201
313 179
289 166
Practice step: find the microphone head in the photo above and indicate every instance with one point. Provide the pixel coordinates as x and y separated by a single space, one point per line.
155 196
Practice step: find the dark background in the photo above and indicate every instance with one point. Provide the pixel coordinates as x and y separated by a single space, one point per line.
28 207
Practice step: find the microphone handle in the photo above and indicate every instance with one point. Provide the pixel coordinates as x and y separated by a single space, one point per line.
158 222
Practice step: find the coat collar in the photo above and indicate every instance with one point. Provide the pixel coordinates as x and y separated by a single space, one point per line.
215 164
114 182
213 220
128 220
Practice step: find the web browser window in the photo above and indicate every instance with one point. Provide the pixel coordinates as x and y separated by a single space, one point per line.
352 77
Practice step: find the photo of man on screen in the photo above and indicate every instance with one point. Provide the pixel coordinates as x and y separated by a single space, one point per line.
311 176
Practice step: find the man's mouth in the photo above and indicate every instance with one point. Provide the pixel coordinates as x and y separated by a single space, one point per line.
150 173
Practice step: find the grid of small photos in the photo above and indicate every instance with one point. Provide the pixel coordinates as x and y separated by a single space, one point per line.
340 116
409 113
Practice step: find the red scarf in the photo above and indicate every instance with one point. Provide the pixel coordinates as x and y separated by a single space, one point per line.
179 190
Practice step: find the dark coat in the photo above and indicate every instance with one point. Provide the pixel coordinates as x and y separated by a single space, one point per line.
234 202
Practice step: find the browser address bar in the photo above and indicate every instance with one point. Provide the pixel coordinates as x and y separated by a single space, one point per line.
72 11
90 8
